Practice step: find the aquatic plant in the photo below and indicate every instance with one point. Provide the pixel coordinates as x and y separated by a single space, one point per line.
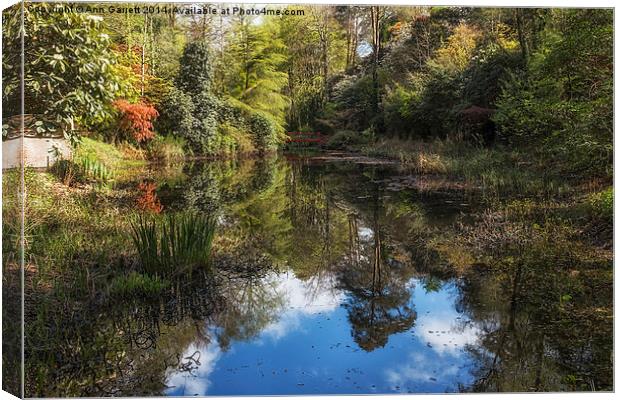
136 284
173 244
94 169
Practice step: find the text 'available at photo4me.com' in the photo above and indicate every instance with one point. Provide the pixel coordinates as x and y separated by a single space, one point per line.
180 9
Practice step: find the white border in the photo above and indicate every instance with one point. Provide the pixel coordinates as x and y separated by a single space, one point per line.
478 3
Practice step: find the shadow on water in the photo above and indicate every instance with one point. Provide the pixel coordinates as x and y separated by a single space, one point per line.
324 284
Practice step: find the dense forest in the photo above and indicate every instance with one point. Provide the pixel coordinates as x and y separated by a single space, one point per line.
216 84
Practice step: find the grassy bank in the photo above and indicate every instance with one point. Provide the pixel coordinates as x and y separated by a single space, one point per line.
497 170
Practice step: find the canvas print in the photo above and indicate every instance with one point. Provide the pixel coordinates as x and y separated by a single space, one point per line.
264 199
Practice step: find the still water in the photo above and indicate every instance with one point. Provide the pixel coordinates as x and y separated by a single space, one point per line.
325 285
330 329
318 344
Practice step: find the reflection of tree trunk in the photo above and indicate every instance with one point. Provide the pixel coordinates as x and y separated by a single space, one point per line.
294 194
516 284
327 239
376 47
376 273
354 242
541 359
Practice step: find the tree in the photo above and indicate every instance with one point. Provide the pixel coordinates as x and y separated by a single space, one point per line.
260 78
190 110
70 78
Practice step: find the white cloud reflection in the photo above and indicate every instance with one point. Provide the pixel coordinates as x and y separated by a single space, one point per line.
301 298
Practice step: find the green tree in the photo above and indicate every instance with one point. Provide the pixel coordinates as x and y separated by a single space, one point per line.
190 110
69 70
259 54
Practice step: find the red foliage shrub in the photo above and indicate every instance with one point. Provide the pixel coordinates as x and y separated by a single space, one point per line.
137 119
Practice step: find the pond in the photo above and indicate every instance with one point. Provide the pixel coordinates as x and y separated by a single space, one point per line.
323 325
324 286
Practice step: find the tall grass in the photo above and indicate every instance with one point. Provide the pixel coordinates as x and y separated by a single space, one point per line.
166 149
173 244
94 169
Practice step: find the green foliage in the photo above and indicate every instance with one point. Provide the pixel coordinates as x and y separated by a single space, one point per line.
564 102
342 139
196 70
353 98
175 113
174 244
259 53
137 285
483 78
166 148
253 82
69 75
602 204
242 141
195 113
265 131
190 110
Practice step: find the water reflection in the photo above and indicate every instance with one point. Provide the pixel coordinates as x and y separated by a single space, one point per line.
310 348
323 286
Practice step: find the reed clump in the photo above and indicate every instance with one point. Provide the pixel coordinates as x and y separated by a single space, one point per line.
173 244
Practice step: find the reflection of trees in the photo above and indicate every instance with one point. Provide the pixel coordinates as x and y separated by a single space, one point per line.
327 211
212 185
129 347
251 305
259 218
533 337
378 304
318 223
119 347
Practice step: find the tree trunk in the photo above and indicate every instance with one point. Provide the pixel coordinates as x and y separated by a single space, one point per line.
376 48
525 50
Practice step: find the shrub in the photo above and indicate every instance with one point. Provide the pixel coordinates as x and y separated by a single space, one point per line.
66 171
176 113
190 110
69 76
136 120
166 148
173 244
602 204
342 139
264 130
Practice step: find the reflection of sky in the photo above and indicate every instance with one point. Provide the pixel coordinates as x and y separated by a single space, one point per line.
302 299
310 350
